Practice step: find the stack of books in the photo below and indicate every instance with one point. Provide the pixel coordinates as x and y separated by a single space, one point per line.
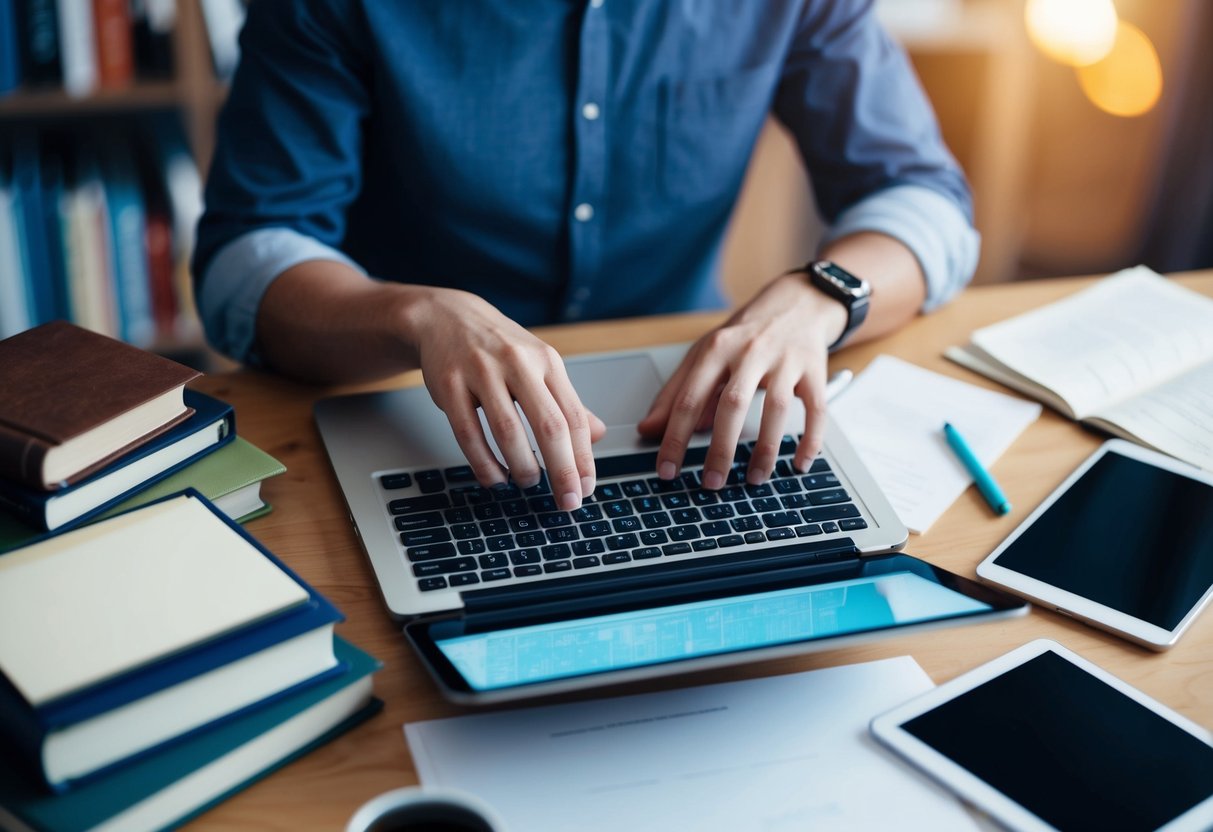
90 427
183 661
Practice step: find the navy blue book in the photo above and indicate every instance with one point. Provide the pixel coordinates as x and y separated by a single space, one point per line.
39 32
181 781
10 47
212 426
168 620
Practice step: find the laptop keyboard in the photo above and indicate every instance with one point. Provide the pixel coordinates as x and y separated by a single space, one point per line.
456 534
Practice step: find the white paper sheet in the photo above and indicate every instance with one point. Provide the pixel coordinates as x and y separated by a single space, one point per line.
771 755
893 413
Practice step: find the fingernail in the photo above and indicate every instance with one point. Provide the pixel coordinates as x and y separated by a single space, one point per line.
713 480
587 486
500 486
570 501
755 477
801 464
667 470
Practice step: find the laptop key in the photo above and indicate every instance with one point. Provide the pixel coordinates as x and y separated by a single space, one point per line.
755 537
504 491
493 561
471 547
676 548
530 539
808 530
622 557
788 485
656 520
425 537
828 497
431 584
781 518
444 566
819 466
679 500
765 504
787 446
412 505
528 570
851 524
829 528
492 528
558 566
390 482
561 535
622 541
837 512
559 551
704 498
460 474
634 488
704 545
465 531
487 511
458 515
718 512
539 505
783 468
525 523
494 575
626 524
717 528
518 557
465 578
653 537
409 522
430 482
617 508
515 508
794 500
745 524
437 550
606 493
782 533
815 481
684 533
643 553
589 547
587 513
501 543
682 516
596 529
540 487
763 490
729 540
558 518
586 563
732 494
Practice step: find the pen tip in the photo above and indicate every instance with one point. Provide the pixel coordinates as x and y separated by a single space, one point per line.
1004 508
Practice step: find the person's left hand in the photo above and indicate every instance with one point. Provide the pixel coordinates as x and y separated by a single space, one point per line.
778 342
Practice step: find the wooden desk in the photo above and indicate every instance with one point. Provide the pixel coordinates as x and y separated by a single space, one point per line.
310 531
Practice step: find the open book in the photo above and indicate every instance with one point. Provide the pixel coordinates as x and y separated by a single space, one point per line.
1132 355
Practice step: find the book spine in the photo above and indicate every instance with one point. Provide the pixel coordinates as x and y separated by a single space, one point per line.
22 510
10 48
115 49
40 31
77 47
21 458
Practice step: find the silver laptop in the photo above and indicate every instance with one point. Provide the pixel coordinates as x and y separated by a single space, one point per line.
437 540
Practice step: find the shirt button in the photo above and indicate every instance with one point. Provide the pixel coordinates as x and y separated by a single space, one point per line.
590 111
584 212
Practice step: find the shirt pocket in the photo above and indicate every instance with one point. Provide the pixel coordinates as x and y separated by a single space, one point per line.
708 128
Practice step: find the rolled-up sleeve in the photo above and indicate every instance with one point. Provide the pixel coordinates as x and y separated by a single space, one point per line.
872 144
287 161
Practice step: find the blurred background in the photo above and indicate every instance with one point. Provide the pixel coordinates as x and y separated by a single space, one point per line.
1085 127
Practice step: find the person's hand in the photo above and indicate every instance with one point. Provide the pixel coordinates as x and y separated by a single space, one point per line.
472 355
779 342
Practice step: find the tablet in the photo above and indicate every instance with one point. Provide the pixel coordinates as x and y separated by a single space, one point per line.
1125 543
485 657
1043 739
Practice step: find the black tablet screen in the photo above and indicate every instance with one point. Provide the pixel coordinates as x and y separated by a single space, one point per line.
1127 535
1072 750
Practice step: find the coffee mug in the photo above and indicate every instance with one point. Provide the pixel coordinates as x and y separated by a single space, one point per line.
419 809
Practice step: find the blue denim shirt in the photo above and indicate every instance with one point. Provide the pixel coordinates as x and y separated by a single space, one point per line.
563 159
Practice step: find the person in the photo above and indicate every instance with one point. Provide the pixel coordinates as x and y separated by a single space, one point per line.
401 185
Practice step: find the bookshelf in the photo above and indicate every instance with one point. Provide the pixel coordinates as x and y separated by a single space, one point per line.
190 93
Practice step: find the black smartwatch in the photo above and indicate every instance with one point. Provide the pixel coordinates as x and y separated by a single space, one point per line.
844 287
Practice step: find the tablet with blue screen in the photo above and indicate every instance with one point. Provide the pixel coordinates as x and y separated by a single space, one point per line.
498 655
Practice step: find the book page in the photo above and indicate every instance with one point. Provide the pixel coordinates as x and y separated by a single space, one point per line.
1175 417
893 413
1129 332
85 606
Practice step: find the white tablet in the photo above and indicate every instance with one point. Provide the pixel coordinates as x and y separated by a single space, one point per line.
1042 739
1125 543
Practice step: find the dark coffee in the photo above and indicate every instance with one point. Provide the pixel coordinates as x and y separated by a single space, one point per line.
430 816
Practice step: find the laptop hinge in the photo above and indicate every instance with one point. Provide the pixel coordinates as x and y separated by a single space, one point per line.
659 576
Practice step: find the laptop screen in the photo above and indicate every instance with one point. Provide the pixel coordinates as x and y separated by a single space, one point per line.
548 651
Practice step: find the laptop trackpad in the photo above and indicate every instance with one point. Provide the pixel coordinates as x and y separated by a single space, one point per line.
617 389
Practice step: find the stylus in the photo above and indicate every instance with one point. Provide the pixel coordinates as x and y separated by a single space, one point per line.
981 477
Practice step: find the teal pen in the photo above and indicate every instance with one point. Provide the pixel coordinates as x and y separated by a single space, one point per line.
985 483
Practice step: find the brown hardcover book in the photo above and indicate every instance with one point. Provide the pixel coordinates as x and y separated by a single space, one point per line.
72 401
115 43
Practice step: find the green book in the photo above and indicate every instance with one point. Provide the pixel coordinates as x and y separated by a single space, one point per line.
229 477
168 787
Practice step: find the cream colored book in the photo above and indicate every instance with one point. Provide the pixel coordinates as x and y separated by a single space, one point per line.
1132 355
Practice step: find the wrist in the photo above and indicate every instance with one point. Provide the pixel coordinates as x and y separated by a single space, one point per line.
826 315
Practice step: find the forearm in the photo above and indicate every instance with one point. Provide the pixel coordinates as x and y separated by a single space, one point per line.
898 286
323 321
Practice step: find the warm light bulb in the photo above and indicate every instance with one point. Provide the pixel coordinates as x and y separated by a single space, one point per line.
1128 82
1074 32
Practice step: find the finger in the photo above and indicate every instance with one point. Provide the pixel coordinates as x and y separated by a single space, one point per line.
734 403
552 432
580 427
812 391
654 422
780 390
598 428
460 411
709 411
684 413
510 434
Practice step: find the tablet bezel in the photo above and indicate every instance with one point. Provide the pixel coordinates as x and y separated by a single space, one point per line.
889 731
1080 607
455 688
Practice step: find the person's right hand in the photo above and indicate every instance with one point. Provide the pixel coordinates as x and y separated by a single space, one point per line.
472 355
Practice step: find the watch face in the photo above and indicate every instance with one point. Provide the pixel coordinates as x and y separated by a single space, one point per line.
843 279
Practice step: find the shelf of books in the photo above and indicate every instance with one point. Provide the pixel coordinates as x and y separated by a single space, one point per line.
107 111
